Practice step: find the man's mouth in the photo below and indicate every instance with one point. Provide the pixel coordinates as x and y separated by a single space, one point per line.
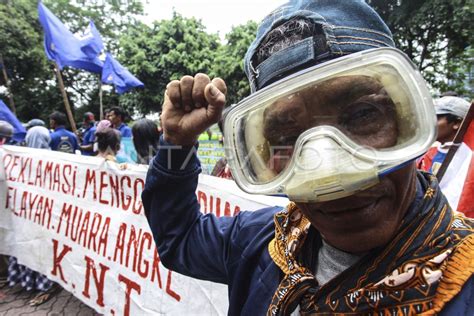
348 205
353 211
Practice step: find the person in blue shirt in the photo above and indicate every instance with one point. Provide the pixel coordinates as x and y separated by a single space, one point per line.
62 139
88 136
117 117
336 118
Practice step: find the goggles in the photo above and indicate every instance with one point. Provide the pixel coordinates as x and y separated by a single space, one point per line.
331 130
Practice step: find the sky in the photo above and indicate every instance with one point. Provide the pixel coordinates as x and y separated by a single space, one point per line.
217 16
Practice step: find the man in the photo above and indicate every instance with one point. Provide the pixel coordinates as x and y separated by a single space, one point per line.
365 233
117 117
88 136
450 111
61 139
457 181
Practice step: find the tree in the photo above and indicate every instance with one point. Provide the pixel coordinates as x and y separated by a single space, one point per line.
21 45
229 63
166 51
434 34
23 54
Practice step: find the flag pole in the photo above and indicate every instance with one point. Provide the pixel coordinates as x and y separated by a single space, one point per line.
456 142
101 106
65 99
8 83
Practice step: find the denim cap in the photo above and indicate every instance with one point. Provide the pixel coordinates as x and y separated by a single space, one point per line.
349 26
452 105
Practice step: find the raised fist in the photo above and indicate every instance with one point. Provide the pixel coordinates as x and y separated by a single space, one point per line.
191 106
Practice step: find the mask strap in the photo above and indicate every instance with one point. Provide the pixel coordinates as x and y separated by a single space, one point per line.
400 166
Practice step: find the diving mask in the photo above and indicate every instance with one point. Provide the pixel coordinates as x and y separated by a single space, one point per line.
331 130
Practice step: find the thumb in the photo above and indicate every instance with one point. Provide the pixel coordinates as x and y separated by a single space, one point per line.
216 100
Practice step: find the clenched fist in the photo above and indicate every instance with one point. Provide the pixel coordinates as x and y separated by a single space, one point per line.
191 106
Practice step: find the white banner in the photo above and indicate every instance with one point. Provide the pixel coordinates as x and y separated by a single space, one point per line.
79 220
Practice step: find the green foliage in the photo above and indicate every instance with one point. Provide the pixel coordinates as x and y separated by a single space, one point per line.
229 63
461 74
435 35
32 76
173 48
27 68
166 51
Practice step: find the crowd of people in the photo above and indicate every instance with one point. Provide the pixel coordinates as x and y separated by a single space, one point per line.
102 139
94 138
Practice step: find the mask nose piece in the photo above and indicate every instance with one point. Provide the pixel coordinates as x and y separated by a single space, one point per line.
324 170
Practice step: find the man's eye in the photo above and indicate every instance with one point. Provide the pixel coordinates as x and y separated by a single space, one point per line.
364 115
361 118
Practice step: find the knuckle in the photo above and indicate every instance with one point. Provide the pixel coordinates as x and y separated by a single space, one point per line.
201 76
220 84
187 80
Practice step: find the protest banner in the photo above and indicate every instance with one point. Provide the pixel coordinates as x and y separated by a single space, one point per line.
209 153
80 221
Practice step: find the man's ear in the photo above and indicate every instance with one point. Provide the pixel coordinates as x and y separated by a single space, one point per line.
457 125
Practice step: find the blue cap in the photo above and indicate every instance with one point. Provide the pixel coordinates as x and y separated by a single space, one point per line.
349 26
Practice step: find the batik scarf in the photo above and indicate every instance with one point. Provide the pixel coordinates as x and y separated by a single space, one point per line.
419 271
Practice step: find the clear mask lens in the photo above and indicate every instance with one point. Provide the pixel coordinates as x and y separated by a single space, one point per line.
332 129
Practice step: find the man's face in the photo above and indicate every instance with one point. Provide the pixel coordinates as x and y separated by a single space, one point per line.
361 109
446 130
52 123
368 219
115 119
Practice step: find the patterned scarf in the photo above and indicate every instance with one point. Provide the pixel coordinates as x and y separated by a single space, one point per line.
419 271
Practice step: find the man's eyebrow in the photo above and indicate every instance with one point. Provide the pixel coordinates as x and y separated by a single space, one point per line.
349 94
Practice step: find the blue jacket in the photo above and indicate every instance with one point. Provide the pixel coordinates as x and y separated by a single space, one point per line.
63 140
124 130
88 138
229 250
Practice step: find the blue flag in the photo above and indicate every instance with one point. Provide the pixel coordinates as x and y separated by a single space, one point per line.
91 42
19 131
65 48
119 76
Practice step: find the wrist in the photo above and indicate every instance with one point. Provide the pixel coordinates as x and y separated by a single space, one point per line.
180 141
176 157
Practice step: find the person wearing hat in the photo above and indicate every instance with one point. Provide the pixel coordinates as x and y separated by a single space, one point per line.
35 122
335 121
450 112
6 132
